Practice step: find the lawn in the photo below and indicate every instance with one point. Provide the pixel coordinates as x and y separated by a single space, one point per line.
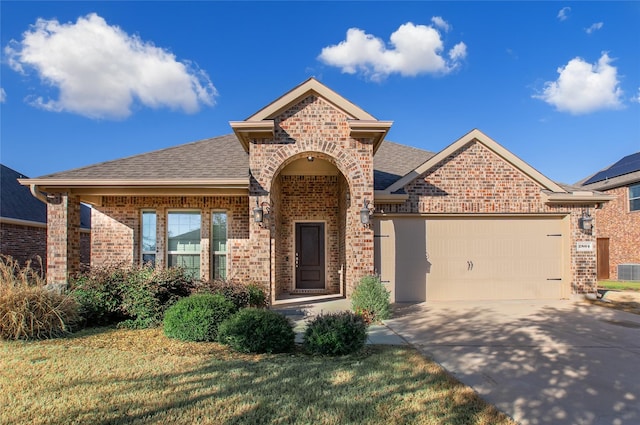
109 376
619 285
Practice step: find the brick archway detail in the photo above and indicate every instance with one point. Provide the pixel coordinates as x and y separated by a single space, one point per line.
340 158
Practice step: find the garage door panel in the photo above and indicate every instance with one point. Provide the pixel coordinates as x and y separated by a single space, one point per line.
475 258
504 258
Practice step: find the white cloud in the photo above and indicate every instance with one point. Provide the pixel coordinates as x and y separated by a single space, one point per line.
415 49
582 87
3 95
438 22
100 71
594 27
636 98
563 14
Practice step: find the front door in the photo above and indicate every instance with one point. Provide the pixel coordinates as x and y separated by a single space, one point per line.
602 258
310 256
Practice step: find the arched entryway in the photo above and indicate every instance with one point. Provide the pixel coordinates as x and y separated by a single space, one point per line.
311 199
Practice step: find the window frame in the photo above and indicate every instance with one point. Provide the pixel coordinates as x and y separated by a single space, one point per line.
167 252
635 198
225 253
144 252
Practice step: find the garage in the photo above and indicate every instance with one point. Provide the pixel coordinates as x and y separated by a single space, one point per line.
462 258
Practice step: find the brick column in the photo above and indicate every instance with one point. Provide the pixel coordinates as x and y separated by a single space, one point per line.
63 238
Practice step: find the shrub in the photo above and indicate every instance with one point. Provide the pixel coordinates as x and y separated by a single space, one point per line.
242 295
27 309
370 299
135 296
335 334
254 330
197 317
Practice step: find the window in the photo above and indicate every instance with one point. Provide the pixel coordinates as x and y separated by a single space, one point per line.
149 237
183 241
634 197
219 245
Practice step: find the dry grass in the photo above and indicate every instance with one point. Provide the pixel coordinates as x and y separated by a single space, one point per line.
628 301
27 309
107 376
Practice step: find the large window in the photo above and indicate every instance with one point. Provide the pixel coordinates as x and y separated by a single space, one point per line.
183 241
219 244
634 197
149 237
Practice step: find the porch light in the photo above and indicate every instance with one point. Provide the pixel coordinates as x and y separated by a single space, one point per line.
365 213
258 213
586 222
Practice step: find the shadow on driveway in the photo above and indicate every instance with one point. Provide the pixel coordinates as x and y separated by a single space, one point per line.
556 362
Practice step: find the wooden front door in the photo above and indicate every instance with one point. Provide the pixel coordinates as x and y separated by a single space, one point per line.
310 256
603 258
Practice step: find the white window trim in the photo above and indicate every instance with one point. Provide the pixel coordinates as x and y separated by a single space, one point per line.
142 251
214 253
630 198
166 236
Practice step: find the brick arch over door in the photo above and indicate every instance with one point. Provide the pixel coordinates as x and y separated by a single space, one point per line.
340 158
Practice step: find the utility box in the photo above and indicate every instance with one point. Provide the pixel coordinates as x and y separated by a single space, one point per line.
629 272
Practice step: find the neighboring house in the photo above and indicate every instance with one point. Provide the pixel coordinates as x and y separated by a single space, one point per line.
23 222
618 222
306 197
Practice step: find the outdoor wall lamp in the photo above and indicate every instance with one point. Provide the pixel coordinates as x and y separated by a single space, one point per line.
259 213
586 221
365 213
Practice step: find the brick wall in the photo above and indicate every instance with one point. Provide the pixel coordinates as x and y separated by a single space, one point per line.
63 238
29 243
116 229
24 243
622 227
315 127
475 180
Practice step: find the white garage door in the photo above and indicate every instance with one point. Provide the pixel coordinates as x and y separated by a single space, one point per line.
471 258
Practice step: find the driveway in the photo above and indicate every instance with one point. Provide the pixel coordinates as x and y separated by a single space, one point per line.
557 362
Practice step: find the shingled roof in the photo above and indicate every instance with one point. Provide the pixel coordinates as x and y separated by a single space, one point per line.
224 158
216 158
393 161
17 203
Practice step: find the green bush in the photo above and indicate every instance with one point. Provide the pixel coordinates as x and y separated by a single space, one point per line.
135 296
242 295
197 317
370 299
27 309
335 334
254 330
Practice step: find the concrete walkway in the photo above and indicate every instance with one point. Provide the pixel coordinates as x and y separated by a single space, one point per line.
557 362
301 313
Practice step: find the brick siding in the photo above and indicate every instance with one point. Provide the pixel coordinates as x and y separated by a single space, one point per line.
622 227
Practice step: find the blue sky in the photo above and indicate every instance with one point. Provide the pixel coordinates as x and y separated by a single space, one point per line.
557 83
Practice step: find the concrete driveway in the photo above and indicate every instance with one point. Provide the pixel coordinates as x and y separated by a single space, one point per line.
558 362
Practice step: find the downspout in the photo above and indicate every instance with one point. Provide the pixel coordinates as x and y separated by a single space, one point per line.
36 193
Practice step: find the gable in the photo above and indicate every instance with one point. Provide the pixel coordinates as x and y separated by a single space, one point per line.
262 125
518 166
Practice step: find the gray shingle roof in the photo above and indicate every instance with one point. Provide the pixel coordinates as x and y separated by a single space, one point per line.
224 158
17 202
216 158
393 161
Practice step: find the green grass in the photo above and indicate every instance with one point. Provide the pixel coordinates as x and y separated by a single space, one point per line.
108 376
619 285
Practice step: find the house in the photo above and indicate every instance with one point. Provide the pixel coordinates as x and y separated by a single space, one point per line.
306 196
618 230
23 222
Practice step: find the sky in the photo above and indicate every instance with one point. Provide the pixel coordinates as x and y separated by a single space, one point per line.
556 83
